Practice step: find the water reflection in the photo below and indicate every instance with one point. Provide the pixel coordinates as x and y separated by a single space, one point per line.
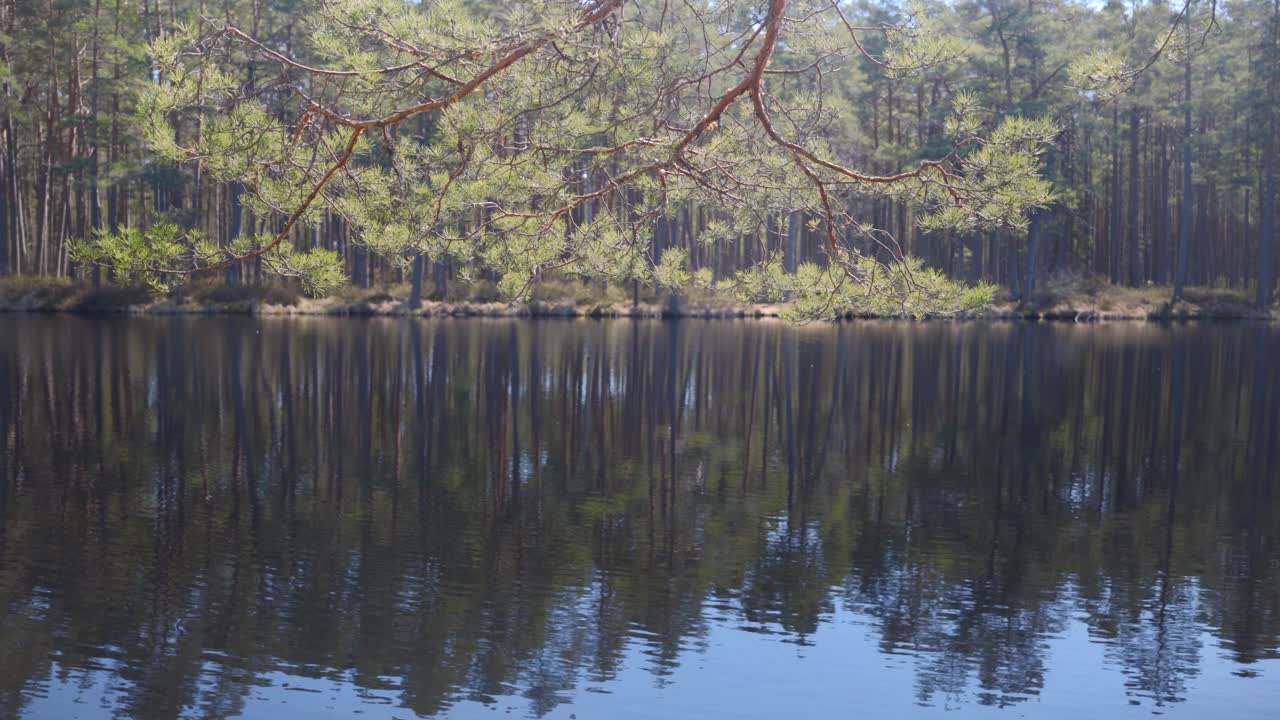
208 517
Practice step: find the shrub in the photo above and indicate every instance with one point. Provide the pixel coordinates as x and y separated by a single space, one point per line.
480 291
267 295
41 291
1218 296
373 295
109 299
554 289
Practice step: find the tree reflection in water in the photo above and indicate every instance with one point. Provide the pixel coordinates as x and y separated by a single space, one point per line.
440 511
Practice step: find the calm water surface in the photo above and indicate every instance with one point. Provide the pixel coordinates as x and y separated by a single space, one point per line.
283 518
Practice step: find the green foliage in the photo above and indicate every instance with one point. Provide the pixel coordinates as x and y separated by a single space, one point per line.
319 270
670 272
161 257
1101 75
1003 179
863 287
139 257
545 167
575 159
922 41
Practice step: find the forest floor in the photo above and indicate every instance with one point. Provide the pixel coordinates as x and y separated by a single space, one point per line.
1077 298
1070 299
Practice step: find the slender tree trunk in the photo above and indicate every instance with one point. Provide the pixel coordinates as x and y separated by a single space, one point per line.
1135 262
1033 245
92 137
1015 271
1267 230
1033 241
440 279
1160 238
415 292
4 214
1113 212
15 189
1184 221
232 274
793 234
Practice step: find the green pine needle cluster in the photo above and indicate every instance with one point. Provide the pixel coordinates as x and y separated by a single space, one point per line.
563 133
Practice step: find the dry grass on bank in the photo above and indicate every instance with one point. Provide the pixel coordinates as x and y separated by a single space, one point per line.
1061 298
16 289
24 292
1079 297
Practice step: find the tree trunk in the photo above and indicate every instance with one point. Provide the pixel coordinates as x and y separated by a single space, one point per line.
415 293
1135 262
1184 220
440 278
1160 238
1113 255
1033 241
793 233
232 273
1266 236
4 215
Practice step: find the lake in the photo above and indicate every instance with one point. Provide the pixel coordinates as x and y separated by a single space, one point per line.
390 518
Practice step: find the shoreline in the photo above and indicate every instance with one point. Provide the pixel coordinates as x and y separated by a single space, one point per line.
1065 302
569 309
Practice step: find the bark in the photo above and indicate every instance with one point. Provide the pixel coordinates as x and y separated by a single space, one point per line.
415 292
1184 219
1134 238
1111 258
1267 230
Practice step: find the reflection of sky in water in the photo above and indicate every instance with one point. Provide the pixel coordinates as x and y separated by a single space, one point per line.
838 670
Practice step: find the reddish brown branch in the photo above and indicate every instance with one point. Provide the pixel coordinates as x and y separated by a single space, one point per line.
297 214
